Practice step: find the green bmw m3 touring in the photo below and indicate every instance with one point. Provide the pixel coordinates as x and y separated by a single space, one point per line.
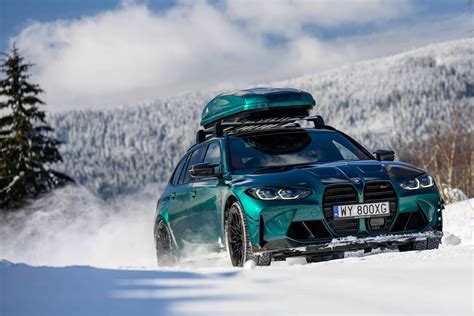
265 182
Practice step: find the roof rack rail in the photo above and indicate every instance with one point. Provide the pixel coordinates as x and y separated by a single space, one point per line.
221 128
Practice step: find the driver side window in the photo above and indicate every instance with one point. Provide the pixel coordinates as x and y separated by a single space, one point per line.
196 157
213 155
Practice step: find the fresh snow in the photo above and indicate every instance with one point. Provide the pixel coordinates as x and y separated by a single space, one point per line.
400 283
426 282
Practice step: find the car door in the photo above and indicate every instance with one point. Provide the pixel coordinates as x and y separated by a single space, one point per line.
205 202
176 202
184 194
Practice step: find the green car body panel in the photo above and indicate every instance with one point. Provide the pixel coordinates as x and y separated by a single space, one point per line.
278 215
195 210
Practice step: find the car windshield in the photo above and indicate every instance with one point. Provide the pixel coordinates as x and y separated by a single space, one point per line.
281 149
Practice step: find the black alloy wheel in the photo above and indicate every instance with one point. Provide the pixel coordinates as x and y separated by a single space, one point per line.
238 241
163 244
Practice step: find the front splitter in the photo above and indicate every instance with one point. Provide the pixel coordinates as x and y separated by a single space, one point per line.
292 248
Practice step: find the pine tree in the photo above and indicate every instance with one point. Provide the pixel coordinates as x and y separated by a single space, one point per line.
27 149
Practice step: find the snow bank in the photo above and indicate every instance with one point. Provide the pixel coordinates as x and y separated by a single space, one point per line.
71 226
458 223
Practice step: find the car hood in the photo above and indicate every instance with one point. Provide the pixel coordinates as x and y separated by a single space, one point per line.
357 172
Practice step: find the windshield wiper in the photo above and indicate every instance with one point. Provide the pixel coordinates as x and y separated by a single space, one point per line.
303 164
283 168
273 169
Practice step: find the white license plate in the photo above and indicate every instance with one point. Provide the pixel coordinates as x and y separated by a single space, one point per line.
361 210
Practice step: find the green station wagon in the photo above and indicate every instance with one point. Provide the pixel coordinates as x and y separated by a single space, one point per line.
265 181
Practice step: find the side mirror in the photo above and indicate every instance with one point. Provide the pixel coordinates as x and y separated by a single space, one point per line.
384 155
205 170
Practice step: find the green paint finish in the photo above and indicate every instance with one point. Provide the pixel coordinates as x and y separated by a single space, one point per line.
196 211
258 99
206 211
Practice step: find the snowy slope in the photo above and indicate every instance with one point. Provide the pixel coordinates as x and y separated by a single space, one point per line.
121 150
427 282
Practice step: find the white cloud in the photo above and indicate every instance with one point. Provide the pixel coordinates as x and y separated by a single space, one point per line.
131 54
287 17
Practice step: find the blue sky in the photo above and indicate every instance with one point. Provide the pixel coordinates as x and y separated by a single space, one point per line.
16 14
94 53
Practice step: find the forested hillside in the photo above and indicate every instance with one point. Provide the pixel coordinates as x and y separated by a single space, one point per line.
398 97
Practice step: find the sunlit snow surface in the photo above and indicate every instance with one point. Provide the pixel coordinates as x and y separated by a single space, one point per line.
435 281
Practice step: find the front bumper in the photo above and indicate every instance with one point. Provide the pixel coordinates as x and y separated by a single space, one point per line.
269 222
287 247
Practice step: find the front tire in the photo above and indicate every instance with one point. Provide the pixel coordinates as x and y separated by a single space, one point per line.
163 244
238 242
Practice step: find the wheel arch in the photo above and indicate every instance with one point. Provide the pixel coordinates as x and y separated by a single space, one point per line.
255 226
231 199
159 218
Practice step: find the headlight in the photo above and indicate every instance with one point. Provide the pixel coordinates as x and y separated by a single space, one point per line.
274 193
420 182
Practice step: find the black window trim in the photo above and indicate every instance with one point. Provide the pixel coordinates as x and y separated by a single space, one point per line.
184 158
215 141
187 157
220 150
181 175
185 169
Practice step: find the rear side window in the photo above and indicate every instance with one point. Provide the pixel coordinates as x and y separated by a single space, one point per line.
177 172
196 157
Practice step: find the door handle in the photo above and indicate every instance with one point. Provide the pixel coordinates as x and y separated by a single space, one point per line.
173 195
193 193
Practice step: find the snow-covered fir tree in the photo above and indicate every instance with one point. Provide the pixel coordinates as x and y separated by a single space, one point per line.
26 147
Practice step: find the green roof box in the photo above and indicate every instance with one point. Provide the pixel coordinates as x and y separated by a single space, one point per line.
257 103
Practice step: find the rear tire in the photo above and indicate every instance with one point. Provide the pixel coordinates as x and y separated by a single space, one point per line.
165 255
238 241
428 244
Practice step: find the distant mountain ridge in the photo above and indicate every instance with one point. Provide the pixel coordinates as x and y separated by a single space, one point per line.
121 150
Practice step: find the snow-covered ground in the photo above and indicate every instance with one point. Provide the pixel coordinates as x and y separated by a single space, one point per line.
435 281
418 282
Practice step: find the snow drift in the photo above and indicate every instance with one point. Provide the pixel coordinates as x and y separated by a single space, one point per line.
416 282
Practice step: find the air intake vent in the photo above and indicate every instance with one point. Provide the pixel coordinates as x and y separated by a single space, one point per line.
340 195
308 230
381 192
409 222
